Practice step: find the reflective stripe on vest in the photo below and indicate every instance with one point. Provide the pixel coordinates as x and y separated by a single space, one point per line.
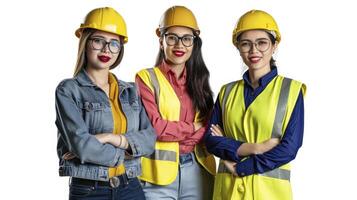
278 173
163 155
281 109
159 154
155 84
275 173
226 93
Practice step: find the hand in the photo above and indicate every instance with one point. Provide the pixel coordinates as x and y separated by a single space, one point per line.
269 144
216 130
103 137
247 149
197 125
117 140
68 156
231 166
124 144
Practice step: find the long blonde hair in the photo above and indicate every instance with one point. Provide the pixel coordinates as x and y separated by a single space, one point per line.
81 56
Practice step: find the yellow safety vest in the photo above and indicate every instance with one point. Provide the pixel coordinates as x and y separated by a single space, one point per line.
266 117
161 167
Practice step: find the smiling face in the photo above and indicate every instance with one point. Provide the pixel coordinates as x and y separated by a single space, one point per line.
177 44
102 50
256 49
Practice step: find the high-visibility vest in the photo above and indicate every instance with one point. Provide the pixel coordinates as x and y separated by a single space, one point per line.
161 167
266 117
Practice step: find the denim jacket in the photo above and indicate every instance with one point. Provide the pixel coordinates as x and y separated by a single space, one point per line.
83 110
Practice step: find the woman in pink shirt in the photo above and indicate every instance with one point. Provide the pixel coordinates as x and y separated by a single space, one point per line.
178 100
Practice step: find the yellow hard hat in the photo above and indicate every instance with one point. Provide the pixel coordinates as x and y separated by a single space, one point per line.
104 19
178 16
256 19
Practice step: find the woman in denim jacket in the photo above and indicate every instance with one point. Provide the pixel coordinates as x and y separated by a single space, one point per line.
103 129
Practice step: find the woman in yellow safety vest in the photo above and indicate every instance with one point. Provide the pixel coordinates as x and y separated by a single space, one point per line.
257 122
178 100
103 128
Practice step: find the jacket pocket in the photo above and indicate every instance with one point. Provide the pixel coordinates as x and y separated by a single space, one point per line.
134 104
97 116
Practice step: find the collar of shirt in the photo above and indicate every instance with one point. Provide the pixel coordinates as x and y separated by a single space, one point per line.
263 81
83 79
113 87
170 75
249 92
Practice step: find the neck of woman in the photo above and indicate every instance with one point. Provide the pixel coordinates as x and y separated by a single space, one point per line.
98 76
256 74
177 69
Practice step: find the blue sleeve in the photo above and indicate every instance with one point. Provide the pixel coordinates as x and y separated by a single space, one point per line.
284 152
142 141
75 132
222 147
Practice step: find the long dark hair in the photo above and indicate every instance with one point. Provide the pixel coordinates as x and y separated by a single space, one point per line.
273 41
197 81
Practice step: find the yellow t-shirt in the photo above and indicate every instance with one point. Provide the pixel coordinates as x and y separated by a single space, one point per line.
119 119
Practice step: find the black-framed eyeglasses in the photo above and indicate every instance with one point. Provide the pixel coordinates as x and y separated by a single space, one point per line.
114 46
173 39
262 45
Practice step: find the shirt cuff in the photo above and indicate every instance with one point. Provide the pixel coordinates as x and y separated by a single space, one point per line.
135 150
119 158
245 167
234 145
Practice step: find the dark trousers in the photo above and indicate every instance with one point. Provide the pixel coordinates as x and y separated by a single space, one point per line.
93 190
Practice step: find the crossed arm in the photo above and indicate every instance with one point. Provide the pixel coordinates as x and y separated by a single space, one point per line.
259 157
245 149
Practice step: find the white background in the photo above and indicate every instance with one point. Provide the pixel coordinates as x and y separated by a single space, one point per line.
38 50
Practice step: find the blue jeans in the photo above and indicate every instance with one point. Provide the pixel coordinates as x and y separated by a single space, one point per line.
131 190
192 182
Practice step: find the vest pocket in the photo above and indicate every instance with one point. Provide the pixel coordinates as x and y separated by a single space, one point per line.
224 187
272 187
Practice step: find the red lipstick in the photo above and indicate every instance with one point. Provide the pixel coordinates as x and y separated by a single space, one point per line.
179 53
104 58
254 59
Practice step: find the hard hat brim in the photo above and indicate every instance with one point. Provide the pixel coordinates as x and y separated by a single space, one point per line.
79 31
196 32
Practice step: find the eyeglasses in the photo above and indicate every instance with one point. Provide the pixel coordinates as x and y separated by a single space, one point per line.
114 46
173 39
261 45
